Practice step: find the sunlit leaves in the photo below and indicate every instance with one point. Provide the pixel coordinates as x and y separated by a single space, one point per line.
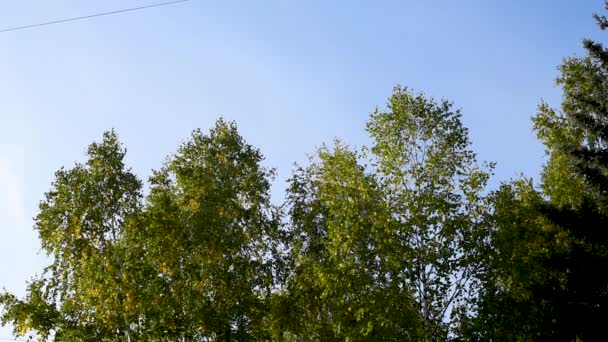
196 261
433 187
210 236
342 237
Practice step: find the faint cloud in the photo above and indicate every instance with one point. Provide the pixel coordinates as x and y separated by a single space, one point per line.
13 213
16 248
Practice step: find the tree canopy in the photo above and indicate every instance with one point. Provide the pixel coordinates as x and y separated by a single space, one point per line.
401 240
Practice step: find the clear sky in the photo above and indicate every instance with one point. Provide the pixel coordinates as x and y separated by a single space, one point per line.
293 74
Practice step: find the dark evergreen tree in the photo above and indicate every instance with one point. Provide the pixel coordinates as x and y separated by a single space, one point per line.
577 142
546 270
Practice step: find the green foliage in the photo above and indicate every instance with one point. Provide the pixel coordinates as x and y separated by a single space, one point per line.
399 241
545 277
341 288
401 229
209 236
380 250
196 261
521 288
433 188
81 226
579 165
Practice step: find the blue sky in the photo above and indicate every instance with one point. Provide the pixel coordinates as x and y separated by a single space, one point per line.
292 74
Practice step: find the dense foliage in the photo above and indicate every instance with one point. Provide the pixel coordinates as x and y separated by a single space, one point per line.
400 240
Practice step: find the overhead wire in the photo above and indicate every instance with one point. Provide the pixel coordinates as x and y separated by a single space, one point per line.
91 16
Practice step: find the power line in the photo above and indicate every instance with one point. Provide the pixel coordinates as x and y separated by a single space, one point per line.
91 16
